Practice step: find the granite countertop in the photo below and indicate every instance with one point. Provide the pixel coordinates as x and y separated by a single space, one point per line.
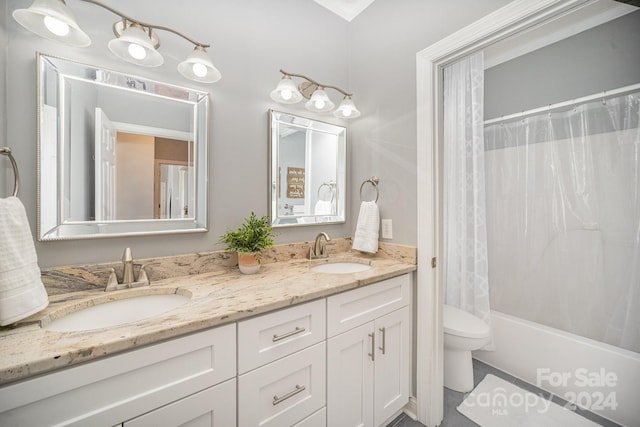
218 297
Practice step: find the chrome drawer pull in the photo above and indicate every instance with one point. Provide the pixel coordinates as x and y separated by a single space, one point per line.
296 331
299 389
382 348
372 355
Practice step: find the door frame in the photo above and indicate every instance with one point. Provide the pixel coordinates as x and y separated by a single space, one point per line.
511 20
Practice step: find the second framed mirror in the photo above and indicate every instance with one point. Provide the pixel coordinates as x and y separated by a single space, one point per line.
307 171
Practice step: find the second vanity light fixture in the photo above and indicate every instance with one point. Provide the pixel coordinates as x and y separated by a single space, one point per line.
318 101
135 41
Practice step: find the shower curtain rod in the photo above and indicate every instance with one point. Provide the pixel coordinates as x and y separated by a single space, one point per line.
575 102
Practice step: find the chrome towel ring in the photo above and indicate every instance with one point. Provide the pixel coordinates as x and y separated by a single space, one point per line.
16 183
374 180
331 188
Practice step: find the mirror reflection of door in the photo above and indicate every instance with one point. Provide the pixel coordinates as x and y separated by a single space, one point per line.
105 167
128 165
173 179
292 155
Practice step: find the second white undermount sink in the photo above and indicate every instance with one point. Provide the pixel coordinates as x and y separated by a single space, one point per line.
343 267
118 312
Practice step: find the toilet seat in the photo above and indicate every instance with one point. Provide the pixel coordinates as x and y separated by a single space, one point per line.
458 322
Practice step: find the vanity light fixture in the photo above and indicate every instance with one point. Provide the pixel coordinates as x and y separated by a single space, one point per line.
199 67
134 44
318 101
135 41
52 20
286 92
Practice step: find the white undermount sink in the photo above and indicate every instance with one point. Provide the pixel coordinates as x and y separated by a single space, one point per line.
341 267
118 312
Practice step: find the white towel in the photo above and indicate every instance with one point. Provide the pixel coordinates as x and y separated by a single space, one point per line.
21 290
323 207
367 228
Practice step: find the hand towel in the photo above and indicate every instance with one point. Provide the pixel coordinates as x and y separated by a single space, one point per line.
367 228
21 290
323 207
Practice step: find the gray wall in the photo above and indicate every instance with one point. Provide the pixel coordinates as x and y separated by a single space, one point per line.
251 40
601 58
384 41
373 56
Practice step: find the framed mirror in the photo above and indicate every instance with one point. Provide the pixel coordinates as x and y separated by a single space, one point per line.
118 154
307 170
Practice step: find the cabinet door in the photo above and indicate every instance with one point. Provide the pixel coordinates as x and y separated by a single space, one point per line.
213 407
350 371
115 388
392 370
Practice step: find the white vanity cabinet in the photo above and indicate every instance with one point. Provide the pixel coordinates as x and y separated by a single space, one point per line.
162 381
368 353
343 360
282 367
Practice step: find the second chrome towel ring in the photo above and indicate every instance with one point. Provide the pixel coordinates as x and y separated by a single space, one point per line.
16 183
374 180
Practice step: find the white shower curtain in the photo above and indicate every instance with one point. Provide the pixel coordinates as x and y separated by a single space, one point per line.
465 233
563 209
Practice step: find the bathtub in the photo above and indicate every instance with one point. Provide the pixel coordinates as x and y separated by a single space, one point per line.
600 377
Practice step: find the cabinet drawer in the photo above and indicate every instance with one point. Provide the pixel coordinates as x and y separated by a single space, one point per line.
353 308
272 336
120 387
284 392
213 407
319 419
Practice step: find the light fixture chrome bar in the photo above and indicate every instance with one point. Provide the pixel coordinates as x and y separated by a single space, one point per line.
310 80
146 24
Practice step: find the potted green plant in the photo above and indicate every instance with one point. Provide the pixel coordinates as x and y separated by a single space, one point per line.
254 235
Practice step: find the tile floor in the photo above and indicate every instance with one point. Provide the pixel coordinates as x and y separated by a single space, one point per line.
453 418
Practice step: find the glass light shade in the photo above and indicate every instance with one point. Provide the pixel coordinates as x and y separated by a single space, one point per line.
286 92
52 20
319 102
135 46
347 109
198 67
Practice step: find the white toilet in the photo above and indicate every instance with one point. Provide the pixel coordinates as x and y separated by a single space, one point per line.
463 332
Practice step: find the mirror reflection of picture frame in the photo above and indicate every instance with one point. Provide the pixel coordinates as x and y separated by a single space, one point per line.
101 134
295 182
307 171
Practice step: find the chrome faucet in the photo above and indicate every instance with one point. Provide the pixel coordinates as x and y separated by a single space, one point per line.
128 280
127 261
319 250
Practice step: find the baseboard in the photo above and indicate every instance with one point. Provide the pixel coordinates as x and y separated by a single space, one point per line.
410 409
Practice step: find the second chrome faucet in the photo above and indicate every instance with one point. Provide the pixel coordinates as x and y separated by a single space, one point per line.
319 249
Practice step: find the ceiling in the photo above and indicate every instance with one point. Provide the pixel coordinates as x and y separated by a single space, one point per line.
347 9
